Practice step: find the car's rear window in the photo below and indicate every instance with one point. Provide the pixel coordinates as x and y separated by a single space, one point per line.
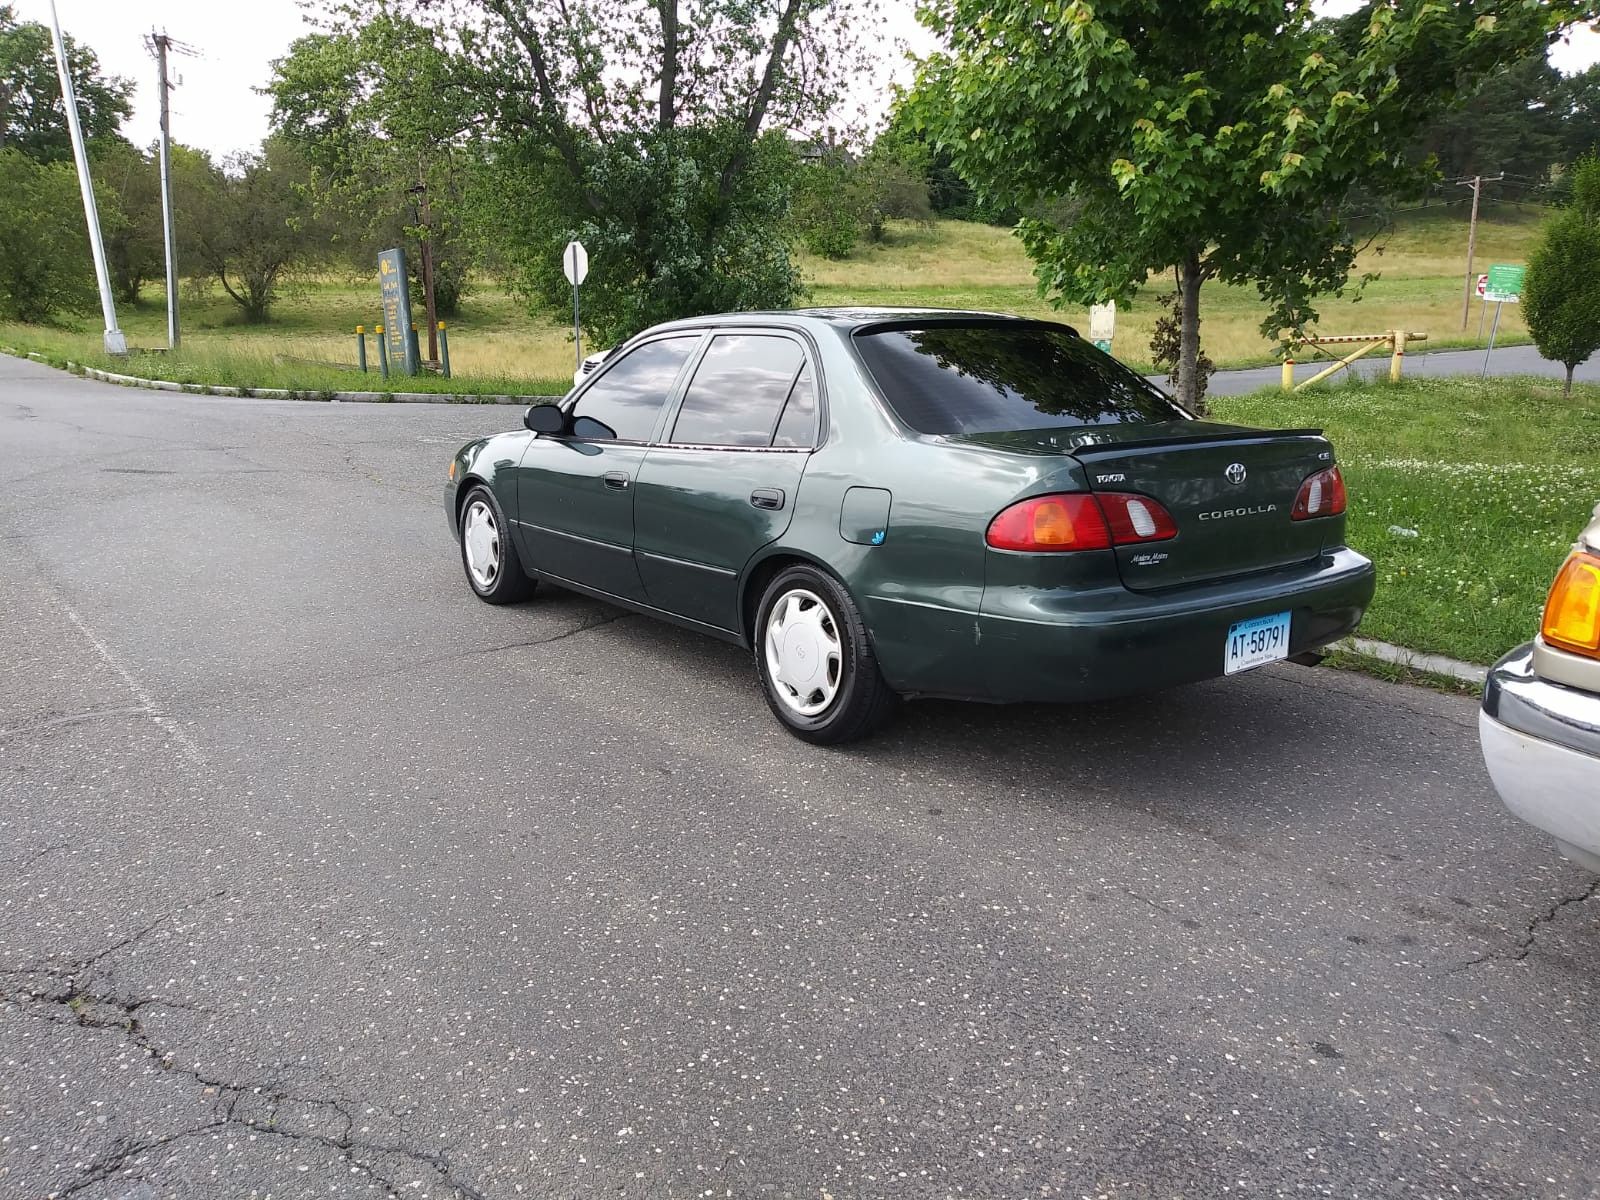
995 376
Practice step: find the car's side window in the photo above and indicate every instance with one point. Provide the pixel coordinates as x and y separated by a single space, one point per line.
798 425
625 402
738 390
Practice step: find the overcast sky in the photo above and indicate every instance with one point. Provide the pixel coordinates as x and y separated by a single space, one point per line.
217 108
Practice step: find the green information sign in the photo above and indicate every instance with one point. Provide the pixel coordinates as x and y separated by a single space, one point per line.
396 293
1505 284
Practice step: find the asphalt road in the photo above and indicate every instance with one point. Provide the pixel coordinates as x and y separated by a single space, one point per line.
320 878
1505 360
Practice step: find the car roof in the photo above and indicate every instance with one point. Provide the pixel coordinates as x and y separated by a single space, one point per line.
843 316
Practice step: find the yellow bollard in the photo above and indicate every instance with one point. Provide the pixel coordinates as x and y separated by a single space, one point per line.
1288 374
1397 355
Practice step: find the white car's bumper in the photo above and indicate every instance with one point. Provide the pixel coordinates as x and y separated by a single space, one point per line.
1541 743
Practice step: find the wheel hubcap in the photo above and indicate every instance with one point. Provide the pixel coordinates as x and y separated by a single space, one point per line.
804 657
481 538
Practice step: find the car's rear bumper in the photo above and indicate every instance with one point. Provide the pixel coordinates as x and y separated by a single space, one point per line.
1541 744
1075 644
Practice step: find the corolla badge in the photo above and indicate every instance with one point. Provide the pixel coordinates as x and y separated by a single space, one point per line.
1235 473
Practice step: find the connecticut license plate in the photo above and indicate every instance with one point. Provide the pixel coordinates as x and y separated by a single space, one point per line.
1251 643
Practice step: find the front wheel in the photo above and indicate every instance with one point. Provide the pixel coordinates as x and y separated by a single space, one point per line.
816 662
488 555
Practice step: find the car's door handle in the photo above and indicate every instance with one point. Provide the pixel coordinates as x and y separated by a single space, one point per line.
616 479
767 498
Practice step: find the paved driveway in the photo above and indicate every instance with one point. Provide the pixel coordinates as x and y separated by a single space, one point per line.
318 877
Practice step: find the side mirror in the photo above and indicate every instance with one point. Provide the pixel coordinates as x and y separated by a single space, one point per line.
546 418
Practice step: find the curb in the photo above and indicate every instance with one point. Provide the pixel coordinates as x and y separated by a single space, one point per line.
1434 664
327 397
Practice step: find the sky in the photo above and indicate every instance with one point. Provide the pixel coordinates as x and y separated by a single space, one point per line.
217 108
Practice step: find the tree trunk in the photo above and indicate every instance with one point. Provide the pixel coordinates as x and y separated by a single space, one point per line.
1189 334
1567 391
667 117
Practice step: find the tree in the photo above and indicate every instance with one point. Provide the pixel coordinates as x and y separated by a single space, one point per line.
1561 295
127 187
1218 140
653 130
1577 100
44 247
32 117
1512 123
247 224
371 145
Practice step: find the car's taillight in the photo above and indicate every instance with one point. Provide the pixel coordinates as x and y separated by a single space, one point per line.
1080 521
1572 613
1321 495
1135 518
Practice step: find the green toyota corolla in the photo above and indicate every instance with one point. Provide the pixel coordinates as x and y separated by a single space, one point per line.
888 504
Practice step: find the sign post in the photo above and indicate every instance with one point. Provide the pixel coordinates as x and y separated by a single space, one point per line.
1502 286
396 294
575 263
1103 325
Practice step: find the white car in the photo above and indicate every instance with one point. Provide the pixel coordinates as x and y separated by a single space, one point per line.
1540 722
586 368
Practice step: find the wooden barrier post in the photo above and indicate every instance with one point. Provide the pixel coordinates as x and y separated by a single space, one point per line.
1397 353
383 353
444 350
361 348
1288 372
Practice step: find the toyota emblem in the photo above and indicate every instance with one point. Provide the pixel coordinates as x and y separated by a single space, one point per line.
1235 473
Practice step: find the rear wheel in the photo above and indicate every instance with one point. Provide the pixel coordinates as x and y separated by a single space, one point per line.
488 554
816 662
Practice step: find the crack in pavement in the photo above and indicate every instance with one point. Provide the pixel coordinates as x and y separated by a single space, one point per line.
90 714
66 994
1530 933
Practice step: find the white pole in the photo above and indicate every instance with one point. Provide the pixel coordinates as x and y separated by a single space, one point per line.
166 198
115 343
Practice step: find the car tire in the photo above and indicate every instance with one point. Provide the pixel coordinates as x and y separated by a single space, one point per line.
817 665
488 553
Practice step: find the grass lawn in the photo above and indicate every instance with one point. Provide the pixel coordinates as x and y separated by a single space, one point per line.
1496 479
497 346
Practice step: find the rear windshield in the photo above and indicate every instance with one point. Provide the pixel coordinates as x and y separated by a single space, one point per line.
991 377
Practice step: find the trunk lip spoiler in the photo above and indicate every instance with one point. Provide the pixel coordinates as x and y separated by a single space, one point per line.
1098 449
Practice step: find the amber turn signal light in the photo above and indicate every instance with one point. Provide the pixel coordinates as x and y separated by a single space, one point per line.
1572 613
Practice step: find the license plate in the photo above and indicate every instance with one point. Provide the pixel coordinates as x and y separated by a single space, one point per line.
1252 643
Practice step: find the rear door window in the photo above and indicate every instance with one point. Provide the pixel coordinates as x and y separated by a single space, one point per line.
625 402
798 425
998 376
738 390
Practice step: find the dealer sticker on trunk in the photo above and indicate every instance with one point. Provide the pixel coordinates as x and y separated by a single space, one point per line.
1252 643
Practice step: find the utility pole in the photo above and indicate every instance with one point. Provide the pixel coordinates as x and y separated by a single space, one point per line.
115 343
160 44
1472 241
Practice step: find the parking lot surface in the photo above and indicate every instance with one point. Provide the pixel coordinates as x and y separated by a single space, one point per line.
319 877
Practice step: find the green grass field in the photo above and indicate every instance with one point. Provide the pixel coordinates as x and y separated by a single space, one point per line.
1495 478
496 345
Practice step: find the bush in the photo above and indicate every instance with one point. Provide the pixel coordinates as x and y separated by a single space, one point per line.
45 267
1561 296
827 210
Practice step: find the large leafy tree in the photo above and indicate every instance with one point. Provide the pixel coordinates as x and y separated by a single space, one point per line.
653 130
32 117
1512 122
128 189
1215 140
375 112
1561 296
246 224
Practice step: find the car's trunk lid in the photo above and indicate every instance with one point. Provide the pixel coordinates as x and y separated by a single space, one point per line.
1230 491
